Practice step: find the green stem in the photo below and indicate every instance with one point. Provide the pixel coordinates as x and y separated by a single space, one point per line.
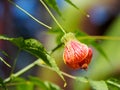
30 15
37 62
14 63
54 49
21 71
52 16
100 37
113 83
1 59
65 74
68 75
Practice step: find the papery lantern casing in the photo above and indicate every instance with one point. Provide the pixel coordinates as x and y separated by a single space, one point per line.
76 54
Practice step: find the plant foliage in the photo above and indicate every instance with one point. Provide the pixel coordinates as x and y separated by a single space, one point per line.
37 49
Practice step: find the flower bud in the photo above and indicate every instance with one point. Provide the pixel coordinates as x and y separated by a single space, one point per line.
76 54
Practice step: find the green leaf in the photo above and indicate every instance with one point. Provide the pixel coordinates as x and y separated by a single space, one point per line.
98 85
1 59
44 85
2 84
30 45
82 79
68 1
22 84
114 82
55 68
36 48
53 4
5 37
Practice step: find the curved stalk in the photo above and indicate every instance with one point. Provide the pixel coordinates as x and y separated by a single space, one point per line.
30 15
52 16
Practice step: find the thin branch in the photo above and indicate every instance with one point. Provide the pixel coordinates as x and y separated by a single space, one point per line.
57 47
113 83
14 63
1 59
100 37
68 75
65 74
52 16
30 15
21 71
